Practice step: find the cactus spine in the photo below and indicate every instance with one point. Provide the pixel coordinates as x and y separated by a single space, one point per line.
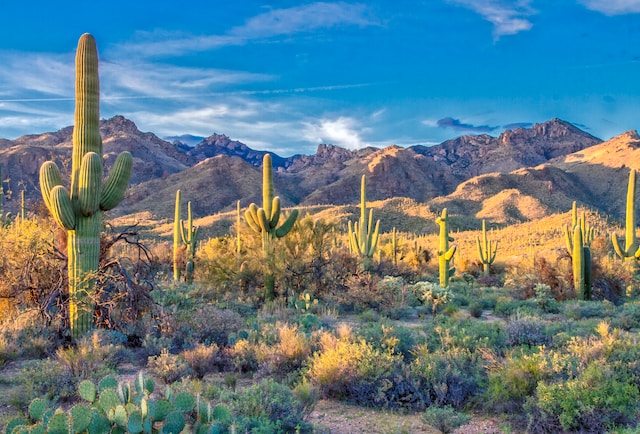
363 237
264 221
79 210
445 253
631 249
487 250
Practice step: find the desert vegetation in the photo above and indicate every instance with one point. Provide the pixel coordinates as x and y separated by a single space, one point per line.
247 320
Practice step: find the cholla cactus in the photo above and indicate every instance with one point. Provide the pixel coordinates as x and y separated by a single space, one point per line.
79 210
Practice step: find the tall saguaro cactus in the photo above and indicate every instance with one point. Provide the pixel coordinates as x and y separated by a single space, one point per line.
445 253
578 239
363 237
186 236
487 250
631 249
264 221
79 210
588 233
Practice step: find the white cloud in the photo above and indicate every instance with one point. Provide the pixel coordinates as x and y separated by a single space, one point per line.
613 7
507 17
276 22
305 18
343 131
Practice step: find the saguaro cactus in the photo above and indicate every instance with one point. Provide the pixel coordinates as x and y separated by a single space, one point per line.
581 262
79 210
363 237
264 221
580 253
184 236
445 253
487 250
588 233
189 237
631 249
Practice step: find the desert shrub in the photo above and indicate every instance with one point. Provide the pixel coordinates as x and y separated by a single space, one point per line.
523 330
386 337
287 354
202 359
580 309
92 357
512 380
596 400
168 367
445 419
467 334
267 407
627 316
449 376
46 378
242 355
475 309
25 335
506 307
210 325
345 361
366 292
544 298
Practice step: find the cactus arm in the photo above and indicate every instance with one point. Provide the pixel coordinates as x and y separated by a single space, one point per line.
274 217
49 178
117 181
61 208
568 239
622 253
90 183
449 253
286 227
251 217
373 239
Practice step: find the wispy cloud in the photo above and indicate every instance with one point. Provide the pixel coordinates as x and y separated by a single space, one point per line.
613 7
342 131
507 17
276 22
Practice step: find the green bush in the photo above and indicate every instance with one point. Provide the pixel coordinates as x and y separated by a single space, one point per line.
445 419
267 407
168 367
597 400
526 331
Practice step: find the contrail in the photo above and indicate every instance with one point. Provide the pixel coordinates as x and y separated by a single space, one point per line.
178 96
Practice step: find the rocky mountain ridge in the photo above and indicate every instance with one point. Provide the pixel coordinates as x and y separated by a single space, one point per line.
218 171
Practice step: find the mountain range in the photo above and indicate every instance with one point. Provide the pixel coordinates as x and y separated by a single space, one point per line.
520 175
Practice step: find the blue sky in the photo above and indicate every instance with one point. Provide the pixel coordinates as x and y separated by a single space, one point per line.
288 75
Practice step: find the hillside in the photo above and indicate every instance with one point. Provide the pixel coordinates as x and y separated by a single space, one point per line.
522 174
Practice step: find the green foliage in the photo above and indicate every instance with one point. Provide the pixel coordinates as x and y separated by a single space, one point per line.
79 209
445 419
168 367
432 294
363 237
136 411
445 253
596 399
